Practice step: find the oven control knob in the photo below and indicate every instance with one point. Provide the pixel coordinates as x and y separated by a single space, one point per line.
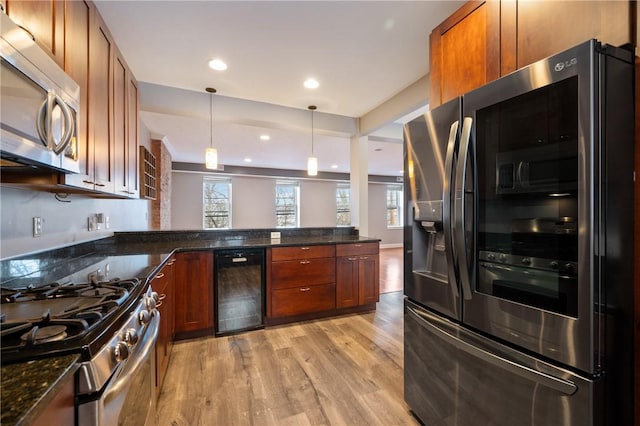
120 351
131 336
526 261
553 264
151 302
570 267
144 317
503 257
491 256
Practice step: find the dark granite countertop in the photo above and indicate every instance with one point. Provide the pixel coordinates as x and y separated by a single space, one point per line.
27 388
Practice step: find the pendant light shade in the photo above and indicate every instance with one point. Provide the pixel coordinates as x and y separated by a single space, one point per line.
312 162
312 166
211 158
211 154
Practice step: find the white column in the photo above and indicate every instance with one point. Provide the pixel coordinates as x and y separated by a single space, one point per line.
360 183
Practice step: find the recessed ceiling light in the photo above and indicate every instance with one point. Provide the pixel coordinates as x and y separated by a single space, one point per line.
311 83
334 166
247 160
217 64
265 137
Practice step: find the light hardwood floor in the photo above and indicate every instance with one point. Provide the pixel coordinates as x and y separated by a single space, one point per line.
345 370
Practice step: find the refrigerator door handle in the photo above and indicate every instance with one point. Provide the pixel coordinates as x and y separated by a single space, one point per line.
564 386
459 208
446 207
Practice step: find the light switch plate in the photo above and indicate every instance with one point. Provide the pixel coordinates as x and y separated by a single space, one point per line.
37 226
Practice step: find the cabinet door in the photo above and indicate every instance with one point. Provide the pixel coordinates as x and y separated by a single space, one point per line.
77 32
132 139
120 134
464 51
101 119
45 21
368 279
194 291
347 281
542 28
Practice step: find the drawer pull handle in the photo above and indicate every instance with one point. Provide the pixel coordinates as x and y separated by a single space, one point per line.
364 257
305 289
305 248
305 262
358 245
352 258
159 304
160 275
162 297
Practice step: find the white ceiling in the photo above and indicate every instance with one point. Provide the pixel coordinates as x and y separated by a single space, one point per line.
362 53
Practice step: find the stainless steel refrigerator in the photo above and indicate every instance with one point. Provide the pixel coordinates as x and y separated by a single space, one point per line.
519 248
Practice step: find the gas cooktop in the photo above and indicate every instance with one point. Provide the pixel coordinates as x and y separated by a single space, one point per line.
45 313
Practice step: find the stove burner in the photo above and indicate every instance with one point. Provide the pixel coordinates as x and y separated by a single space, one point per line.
50 333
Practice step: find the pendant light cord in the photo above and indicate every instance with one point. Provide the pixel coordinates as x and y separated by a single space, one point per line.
211 120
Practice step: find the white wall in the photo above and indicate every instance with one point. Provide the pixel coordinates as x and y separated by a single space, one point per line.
63 223
253 205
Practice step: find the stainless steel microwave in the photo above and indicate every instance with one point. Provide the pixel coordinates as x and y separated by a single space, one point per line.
39 104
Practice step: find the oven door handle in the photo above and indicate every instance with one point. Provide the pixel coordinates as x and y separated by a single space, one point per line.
138 358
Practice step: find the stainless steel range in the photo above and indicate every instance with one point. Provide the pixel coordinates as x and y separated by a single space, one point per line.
111 322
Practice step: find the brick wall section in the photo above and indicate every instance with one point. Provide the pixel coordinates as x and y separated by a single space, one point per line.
161 206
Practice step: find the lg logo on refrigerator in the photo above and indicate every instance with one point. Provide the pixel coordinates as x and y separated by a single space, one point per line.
566 64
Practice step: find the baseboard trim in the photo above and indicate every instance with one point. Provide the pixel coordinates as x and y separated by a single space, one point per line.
392 245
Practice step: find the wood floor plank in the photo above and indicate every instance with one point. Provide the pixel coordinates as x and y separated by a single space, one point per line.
338 371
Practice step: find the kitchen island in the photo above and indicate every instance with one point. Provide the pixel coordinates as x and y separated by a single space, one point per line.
148 256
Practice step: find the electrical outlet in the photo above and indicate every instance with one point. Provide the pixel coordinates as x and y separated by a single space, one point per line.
37 226
275 235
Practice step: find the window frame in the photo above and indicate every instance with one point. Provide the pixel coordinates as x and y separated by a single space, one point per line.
296 208
347 187
210 180
398 189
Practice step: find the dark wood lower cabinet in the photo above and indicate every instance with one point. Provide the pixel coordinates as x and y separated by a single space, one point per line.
357 274
193 294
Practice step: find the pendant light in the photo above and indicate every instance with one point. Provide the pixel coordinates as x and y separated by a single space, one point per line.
211 154
312 162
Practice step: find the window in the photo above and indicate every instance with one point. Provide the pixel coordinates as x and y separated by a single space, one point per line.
394 206
287 196
343 205
216 202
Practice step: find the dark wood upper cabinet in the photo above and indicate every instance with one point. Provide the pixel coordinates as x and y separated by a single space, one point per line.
549 27
465 51
45 20
483 41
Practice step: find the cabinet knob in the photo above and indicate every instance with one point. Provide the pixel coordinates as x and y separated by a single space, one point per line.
305 262
305 289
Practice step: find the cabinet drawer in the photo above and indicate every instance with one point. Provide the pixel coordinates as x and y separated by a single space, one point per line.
305 272
302 252
356 249
302 300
